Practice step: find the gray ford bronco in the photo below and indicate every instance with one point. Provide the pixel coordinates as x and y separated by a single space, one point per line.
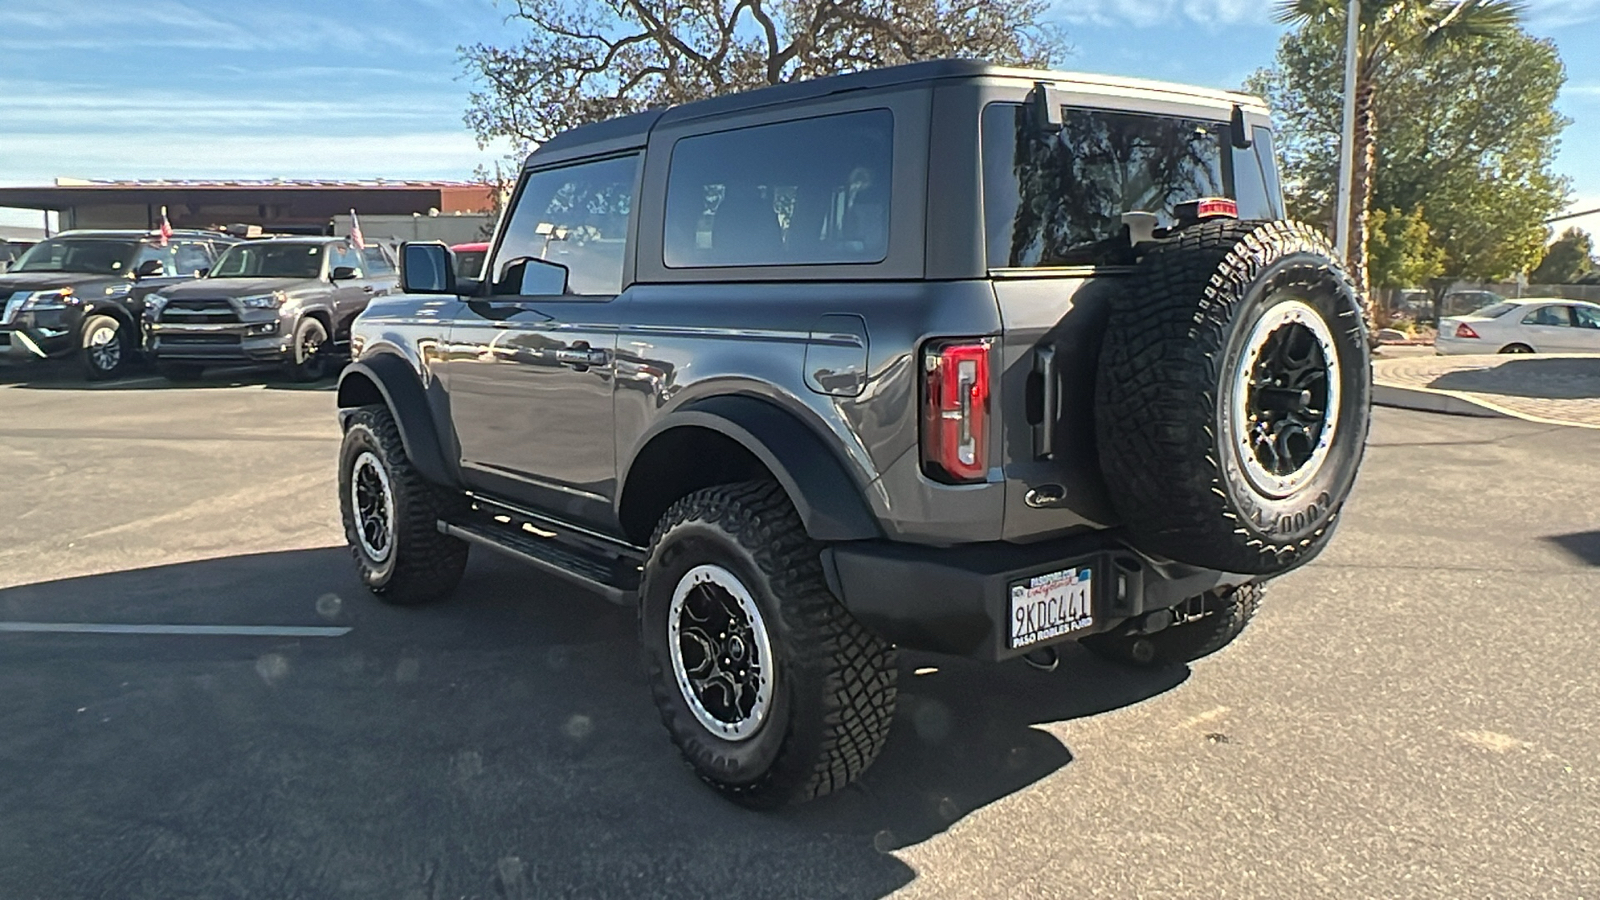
947 356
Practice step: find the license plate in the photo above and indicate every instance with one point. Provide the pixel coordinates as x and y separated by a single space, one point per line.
1051 605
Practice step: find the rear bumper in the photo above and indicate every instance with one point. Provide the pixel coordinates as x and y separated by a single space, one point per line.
956 600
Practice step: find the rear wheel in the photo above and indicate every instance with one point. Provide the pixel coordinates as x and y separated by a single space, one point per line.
1233 397
773 692
1206 624
106 348
391 515
1516 348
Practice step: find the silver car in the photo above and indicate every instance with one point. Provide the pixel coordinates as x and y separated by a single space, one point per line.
1530 325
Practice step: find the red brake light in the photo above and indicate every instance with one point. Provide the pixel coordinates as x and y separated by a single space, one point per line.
1206 208
1465 331
955 410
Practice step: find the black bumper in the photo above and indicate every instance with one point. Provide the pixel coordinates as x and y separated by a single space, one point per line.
956 600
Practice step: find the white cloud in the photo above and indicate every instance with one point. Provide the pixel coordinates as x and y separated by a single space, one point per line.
1149 13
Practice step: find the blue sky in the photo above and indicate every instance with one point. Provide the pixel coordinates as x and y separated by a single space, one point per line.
366 88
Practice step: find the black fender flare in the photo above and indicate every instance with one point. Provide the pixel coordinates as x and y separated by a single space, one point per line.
400 389
828 499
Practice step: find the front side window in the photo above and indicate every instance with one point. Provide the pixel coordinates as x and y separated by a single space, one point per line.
90 256
807 192
1058 199
270 261
576 216
348 257
1586 316
1548 315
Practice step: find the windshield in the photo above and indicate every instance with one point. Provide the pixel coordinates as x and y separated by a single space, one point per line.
96 256
270 261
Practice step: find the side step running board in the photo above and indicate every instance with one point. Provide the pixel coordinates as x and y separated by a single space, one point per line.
616 577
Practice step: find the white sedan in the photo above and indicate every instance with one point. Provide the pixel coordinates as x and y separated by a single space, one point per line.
1530 325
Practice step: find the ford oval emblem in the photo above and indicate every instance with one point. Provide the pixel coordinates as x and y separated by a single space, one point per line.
1045 496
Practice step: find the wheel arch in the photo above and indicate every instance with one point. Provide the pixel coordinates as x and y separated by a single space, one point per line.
388 378
733 438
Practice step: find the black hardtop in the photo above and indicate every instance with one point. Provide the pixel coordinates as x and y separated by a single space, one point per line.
132 234
633 131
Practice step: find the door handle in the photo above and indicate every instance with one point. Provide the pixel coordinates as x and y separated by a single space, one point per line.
369 289
580 355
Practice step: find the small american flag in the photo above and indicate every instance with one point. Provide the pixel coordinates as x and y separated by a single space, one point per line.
166 227
355 232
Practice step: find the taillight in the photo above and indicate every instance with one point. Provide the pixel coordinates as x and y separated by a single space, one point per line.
1465 331
955 410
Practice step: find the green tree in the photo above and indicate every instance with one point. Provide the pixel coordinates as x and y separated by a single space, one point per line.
583 61
1472 137
1569 259
1395 38
1401 250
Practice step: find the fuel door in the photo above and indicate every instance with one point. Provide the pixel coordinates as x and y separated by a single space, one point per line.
836 355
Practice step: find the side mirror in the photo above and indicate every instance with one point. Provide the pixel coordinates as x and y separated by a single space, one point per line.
201 273
427 268
529 276
343 273
148 269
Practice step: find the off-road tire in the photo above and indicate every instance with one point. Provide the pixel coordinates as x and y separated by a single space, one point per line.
422 563
1164 415
834 694
181 373
303 366
1226 616
94 359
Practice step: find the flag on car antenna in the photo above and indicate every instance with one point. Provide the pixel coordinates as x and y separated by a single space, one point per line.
166 227
355 232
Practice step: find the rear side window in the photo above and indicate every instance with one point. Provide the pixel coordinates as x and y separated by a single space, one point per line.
1557 316
1058 199
812 191
377 263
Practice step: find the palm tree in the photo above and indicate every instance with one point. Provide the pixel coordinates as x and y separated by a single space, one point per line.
1393 33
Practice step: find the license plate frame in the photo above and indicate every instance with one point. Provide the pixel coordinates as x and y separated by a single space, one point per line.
1046 607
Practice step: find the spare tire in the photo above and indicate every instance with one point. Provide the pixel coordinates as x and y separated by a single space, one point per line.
1233 396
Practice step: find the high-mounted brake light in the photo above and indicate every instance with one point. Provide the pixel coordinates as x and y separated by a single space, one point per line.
1465 331
1206 208
955 410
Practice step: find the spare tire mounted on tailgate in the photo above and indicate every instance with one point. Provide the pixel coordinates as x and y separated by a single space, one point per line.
1232 399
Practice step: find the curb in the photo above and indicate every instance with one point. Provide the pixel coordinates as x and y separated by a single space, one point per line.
1428 400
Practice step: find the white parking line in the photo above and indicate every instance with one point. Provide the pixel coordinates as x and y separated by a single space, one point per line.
112 628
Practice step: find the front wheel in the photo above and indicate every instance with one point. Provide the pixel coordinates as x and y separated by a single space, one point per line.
773 692
309 350
391 515
106 347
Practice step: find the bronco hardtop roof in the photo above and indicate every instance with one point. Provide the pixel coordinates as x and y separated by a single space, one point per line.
134 234
632 131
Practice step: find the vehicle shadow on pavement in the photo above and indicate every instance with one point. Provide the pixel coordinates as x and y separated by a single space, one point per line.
1567 378
55 375
1580 545
499 744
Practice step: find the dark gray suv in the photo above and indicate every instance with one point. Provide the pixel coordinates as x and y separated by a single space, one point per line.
284 300
952 357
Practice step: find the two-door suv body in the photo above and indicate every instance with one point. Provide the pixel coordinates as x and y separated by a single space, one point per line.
946 356
288 300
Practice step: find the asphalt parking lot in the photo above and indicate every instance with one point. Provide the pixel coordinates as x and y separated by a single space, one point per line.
1411 715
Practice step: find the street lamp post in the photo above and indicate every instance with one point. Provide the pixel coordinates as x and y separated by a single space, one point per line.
1347 140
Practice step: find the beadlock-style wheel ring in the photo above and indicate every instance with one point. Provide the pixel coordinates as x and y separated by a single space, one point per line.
372 504
721 655
1286 399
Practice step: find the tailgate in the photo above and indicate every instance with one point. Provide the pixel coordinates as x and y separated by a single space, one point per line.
1050 346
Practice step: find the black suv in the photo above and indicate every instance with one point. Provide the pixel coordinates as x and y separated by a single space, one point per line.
952 357
284 300
81 293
